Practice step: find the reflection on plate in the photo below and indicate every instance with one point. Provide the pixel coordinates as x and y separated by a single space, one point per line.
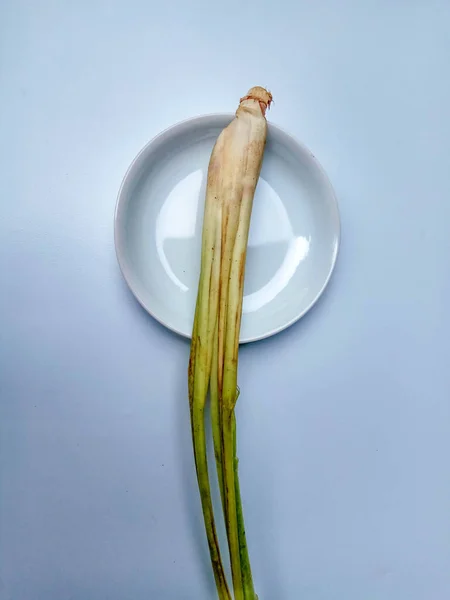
294 232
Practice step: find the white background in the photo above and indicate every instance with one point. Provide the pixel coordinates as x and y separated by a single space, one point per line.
343 420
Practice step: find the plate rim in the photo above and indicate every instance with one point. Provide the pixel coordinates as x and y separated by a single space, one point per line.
119 199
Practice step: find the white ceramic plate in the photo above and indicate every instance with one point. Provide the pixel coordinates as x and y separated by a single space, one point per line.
294 232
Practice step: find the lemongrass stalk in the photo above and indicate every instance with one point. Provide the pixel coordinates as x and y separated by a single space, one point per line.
216 418
198 378
247 579
233 173
240 155
198 433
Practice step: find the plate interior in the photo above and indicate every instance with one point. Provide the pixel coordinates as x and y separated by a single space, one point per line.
294 232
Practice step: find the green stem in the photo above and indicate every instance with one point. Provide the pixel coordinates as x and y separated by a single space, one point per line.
231 519
216 417
201 464
247 579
